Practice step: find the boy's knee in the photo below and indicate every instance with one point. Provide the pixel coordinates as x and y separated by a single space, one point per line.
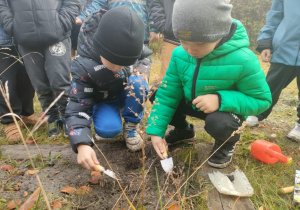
220 125
108 131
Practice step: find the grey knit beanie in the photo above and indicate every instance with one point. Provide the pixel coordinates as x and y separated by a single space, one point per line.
201 20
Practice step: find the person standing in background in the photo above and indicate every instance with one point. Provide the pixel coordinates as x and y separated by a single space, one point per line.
21 92
161 11
140 7
42 30
279 43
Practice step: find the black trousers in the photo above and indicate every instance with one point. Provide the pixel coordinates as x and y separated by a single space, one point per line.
49 72
220 125
21 92
279 76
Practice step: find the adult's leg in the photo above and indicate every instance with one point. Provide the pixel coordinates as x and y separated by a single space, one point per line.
35 66
57 67
278 77
8 73
166 53
297 69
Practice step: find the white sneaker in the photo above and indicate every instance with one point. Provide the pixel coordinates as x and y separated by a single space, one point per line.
252 121
134 141
99 138
294 134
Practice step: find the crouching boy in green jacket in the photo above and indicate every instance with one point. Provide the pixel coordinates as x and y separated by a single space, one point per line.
212 76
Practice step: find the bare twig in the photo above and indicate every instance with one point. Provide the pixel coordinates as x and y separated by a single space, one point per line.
24 142
239 130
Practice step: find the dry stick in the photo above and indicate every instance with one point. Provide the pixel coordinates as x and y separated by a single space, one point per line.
38 124
123 192
239 130
22 137
144 154
235 202
141 182
119 198
17 60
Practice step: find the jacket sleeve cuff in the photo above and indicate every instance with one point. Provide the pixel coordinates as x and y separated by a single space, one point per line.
80 136
220 98
264 44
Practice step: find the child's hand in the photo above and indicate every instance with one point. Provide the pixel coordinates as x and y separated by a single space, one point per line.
207 103
87 157
157 143
78 21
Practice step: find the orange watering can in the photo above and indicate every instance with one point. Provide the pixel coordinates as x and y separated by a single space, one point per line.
268 152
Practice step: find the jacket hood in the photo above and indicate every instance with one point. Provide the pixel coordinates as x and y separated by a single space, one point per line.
85 45
238 40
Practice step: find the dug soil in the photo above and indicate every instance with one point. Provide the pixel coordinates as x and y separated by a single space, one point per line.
60 170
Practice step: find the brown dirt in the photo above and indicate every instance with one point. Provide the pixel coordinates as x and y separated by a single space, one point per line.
127 165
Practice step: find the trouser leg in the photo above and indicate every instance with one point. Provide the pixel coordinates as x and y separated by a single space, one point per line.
57 67
134 97
278 77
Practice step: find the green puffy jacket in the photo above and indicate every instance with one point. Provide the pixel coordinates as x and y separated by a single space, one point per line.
231 70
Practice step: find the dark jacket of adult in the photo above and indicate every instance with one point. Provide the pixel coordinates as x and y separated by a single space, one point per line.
92 83
161 11
36 23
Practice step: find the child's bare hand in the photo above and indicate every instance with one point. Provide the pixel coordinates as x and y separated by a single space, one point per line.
207 103
157 143
87 157
78 21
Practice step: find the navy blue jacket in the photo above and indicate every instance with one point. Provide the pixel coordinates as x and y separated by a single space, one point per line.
91 83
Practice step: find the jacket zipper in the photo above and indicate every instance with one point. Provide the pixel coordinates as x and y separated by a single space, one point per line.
195 78
297 56
35 19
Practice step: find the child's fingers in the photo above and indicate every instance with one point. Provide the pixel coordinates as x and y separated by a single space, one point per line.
158 151
94 158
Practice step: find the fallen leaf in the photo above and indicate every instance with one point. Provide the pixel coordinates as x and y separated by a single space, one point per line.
56 172
83 190
29 141
7 167
25 193
236 167
298 163
273 135
69 190
262 208
174 207
32 172
56 205
12 204
175 150
16 187
30 202
94 179
254 132
261 125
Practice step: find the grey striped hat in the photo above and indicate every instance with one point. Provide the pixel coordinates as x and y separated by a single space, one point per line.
201 20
